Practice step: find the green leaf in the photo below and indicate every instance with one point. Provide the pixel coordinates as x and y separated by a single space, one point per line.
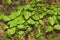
29 29
1 16
20 34
35 17
33 1
58 17
57 27
52 6
44 8
38 32
9 2
5 27
11 31
37 24
55 11
42 15
21 27
30 21
20 7
39 0
51 20
6 18
33 12
25 23
20 20
55 18
32 5
26 7
50 38
31 9
51 12
41 22
58 11
49 29
26 14
12 23
40 5
18 13
14 14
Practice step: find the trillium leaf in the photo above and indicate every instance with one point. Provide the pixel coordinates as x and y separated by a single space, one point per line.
33 12
55 18
20 20
31 9
13 15
38 32
35 17
42 15
39 0
21 27
1 16
29 29
51 12
20 34
55 11
9 2
5 27
44 8
32 5
10 32
12 23
40 5
41 22
52 6
50 38
57 27
37 24
58 17
58 11
6 18
49 29
30 21
20 7
26 14
26 7
51 20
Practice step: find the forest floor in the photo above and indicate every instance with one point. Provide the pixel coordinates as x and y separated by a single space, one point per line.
7 9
